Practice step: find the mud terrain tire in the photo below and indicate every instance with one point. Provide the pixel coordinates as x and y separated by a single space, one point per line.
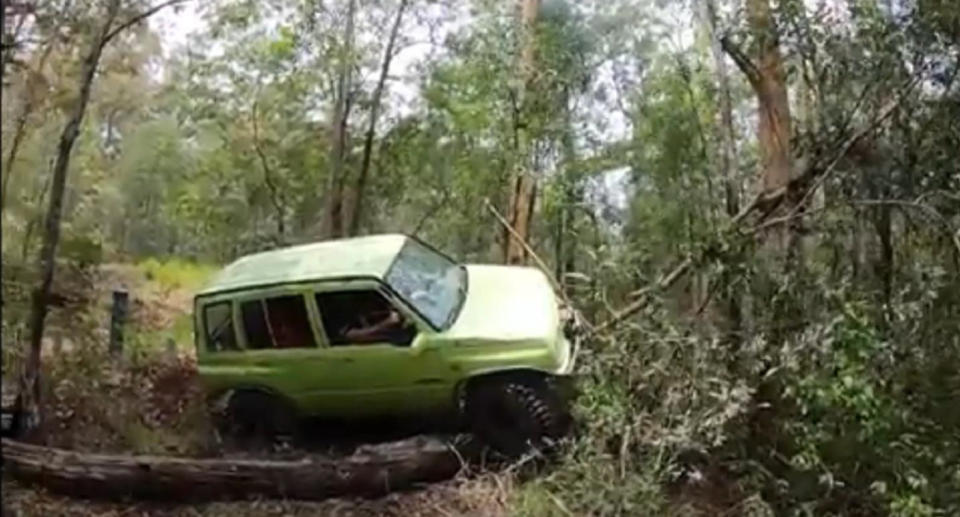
515 415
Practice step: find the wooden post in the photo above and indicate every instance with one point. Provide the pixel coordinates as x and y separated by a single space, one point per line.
118 317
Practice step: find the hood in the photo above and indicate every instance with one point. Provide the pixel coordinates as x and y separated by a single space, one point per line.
506 303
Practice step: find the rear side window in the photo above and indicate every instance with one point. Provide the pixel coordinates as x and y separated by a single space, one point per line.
255 325
218 323
279 322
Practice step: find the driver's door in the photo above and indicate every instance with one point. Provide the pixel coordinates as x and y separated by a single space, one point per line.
396 374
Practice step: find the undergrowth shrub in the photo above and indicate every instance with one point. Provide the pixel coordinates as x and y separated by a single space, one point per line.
839 404
655 401
858 424
149 405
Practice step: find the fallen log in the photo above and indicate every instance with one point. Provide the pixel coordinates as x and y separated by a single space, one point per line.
371 471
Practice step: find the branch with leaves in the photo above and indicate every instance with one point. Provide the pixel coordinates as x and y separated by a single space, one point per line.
764 203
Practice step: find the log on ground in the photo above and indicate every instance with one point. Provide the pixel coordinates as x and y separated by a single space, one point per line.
376 470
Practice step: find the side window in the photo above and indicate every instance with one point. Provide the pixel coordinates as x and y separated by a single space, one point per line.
279 322
363 317
255 325
218 325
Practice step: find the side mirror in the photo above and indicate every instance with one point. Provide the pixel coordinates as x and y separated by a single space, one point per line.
420 345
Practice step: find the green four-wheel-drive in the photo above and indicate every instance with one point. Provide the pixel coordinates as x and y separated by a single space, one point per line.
384 325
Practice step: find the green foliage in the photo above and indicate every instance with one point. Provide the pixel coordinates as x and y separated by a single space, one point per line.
823 387
176 273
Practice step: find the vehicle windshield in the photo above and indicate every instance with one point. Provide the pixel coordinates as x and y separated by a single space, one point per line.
432 283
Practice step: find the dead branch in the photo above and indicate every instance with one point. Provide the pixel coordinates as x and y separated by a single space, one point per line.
663 283
543 267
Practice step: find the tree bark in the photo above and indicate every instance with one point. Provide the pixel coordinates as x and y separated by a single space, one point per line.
334 206
381 469
523 185
357 210
766 76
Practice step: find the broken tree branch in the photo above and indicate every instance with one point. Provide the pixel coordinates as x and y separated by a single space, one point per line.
543 267
764 202
663 283
540 263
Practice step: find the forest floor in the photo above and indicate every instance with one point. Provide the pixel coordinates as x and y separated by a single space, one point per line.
143 406
479 497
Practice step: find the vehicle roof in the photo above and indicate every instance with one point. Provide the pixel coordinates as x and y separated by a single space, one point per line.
368 256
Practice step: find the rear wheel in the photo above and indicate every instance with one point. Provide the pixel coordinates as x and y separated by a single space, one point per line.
516 414
257 420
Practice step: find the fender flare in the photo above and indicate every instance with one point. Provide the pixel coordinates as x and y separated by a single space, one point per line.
481 375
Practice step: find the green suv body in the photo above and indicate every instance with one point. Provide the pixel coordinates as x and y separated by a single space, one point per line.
384 325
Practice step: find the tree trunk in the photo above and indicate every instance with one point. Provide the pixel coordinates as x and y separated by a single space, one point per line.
276 196
774 125
726 132
382 469
33 222
523 185
334 206
20 132
28 398
3 40
767 78
735 298
564 252
357 211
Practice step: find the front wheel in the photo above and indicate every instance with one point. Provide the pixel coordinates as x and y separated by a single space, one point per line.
515 415
254 419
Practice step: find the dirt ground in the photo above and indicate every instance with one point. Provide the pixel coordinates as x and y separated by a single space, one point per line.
466 497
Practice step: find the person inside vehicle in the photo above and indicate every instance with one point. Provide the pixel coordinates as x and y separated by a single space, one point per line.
289 334
384 330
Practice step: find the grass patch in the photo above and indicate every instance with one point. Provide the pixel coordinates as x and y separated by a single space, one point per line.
176 273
